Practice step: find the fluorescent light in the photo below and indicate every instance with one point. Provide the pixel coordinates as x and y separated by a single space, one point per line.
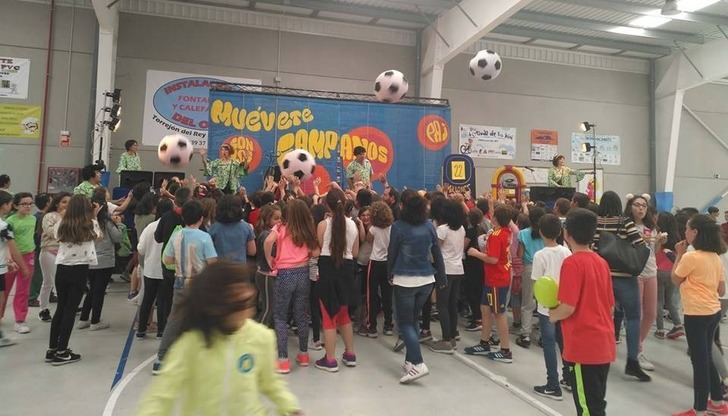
694 5
624 30
648 22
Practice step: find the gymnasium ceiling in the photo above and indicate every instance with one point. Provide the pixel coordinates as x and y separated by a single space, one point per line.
597 26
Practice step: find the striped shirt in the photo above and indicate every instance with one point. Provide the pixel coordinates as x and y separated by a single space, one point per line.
624 228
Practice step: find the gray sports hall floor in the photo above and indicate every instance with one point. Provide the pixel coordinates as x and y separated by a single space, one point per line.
457 384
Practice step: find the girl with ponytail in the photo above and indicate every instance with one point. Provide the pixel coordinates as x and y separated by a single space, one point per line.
338 237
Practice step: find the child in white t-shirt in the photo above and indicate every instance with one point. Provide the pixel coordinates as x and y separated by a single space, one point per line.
547 262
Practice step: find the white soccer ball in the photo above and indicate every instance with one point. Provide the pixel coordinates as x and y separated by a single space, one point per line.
175 150
391 86
486 65
298 163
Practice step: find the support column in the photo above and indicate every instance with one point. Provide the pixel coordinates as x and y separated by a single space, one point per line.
668 116
105 72
431 83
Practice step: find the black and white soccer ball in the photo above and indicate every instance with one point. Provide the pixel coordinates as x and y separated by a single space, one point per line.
391 86
486 65
298 163
175 150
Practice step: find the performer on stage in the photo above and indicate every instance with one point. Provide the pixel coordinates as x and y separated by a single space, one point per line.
225 171
129 160
560 175
360 169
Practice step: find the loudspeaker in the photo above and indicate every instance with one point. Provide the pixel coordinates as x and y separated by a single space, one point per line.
130 178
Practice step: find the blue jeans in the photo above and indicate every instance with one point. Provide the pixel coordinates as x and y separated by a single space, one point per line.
549 335
408 302
627 296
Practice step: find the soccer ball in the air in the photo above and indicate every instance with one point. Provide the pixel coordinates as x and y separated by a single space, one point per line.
486 65
298 163
175 150
390 86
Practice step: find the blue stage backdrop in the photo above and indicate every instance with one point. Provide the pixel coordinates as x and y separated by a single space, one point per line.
405 142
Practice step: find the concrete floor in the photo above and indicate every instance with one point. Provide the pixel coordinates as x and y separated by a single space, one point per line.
457 384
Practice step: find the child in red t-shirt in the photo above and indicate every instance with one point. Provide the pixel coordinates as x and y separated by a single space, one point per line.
497 259
585 311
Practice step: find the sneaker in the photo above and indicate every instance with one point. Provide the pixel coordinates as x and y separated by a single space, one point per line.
494 343
49 355
83 324
690 412
633 369
454 345
99 326
717 410
141 335
524 341
21 328
399 345
284 366
388 330
545 391
363 331
676 332
413 372
481 348
501 356
660 334
133 294
516 326
425 335
327 365
349 359
33 303
645 364
473 326
45 315
6 342
442 347
457 335
303 359
65 357
372 333
53 298
157 367
565 384
316 345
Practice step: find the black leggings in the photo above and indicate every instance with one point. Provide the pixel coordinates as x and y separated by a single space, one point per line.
70 283
377 280
700 332
447 306
151 289
473 285
93 304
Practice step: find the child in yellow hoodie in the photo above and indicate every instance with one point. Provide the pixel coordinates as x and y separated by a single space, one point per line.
224 361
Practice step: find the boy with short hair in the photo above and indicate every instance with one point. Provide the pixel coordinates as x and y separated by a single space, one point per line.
585 311
547 262
497 259
189 249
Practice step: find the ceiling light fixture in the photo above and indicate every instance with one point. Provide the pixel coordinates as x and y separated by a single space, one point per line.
648 22
694 5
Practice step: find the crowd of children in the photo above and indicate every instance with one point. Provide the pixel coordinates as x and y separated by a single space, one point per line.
334 262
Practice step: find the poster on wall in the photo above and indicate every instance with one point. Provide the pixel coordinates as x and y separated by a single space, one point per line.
487 142
586 185
14 77
458 174
406 143
609 149
20 121
178 103
544 144
62 179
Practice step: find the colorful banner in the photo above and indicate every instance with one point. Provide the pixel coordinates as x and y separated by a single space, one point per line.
178 103
544 144
609 149
14 77
407 143
586 185
20 121
458 173
488 142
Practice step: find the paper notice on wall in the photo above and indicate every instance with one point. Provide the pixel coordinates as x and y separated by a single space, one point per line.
609 149
544 144
20 121
14 77
178 103
487 142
